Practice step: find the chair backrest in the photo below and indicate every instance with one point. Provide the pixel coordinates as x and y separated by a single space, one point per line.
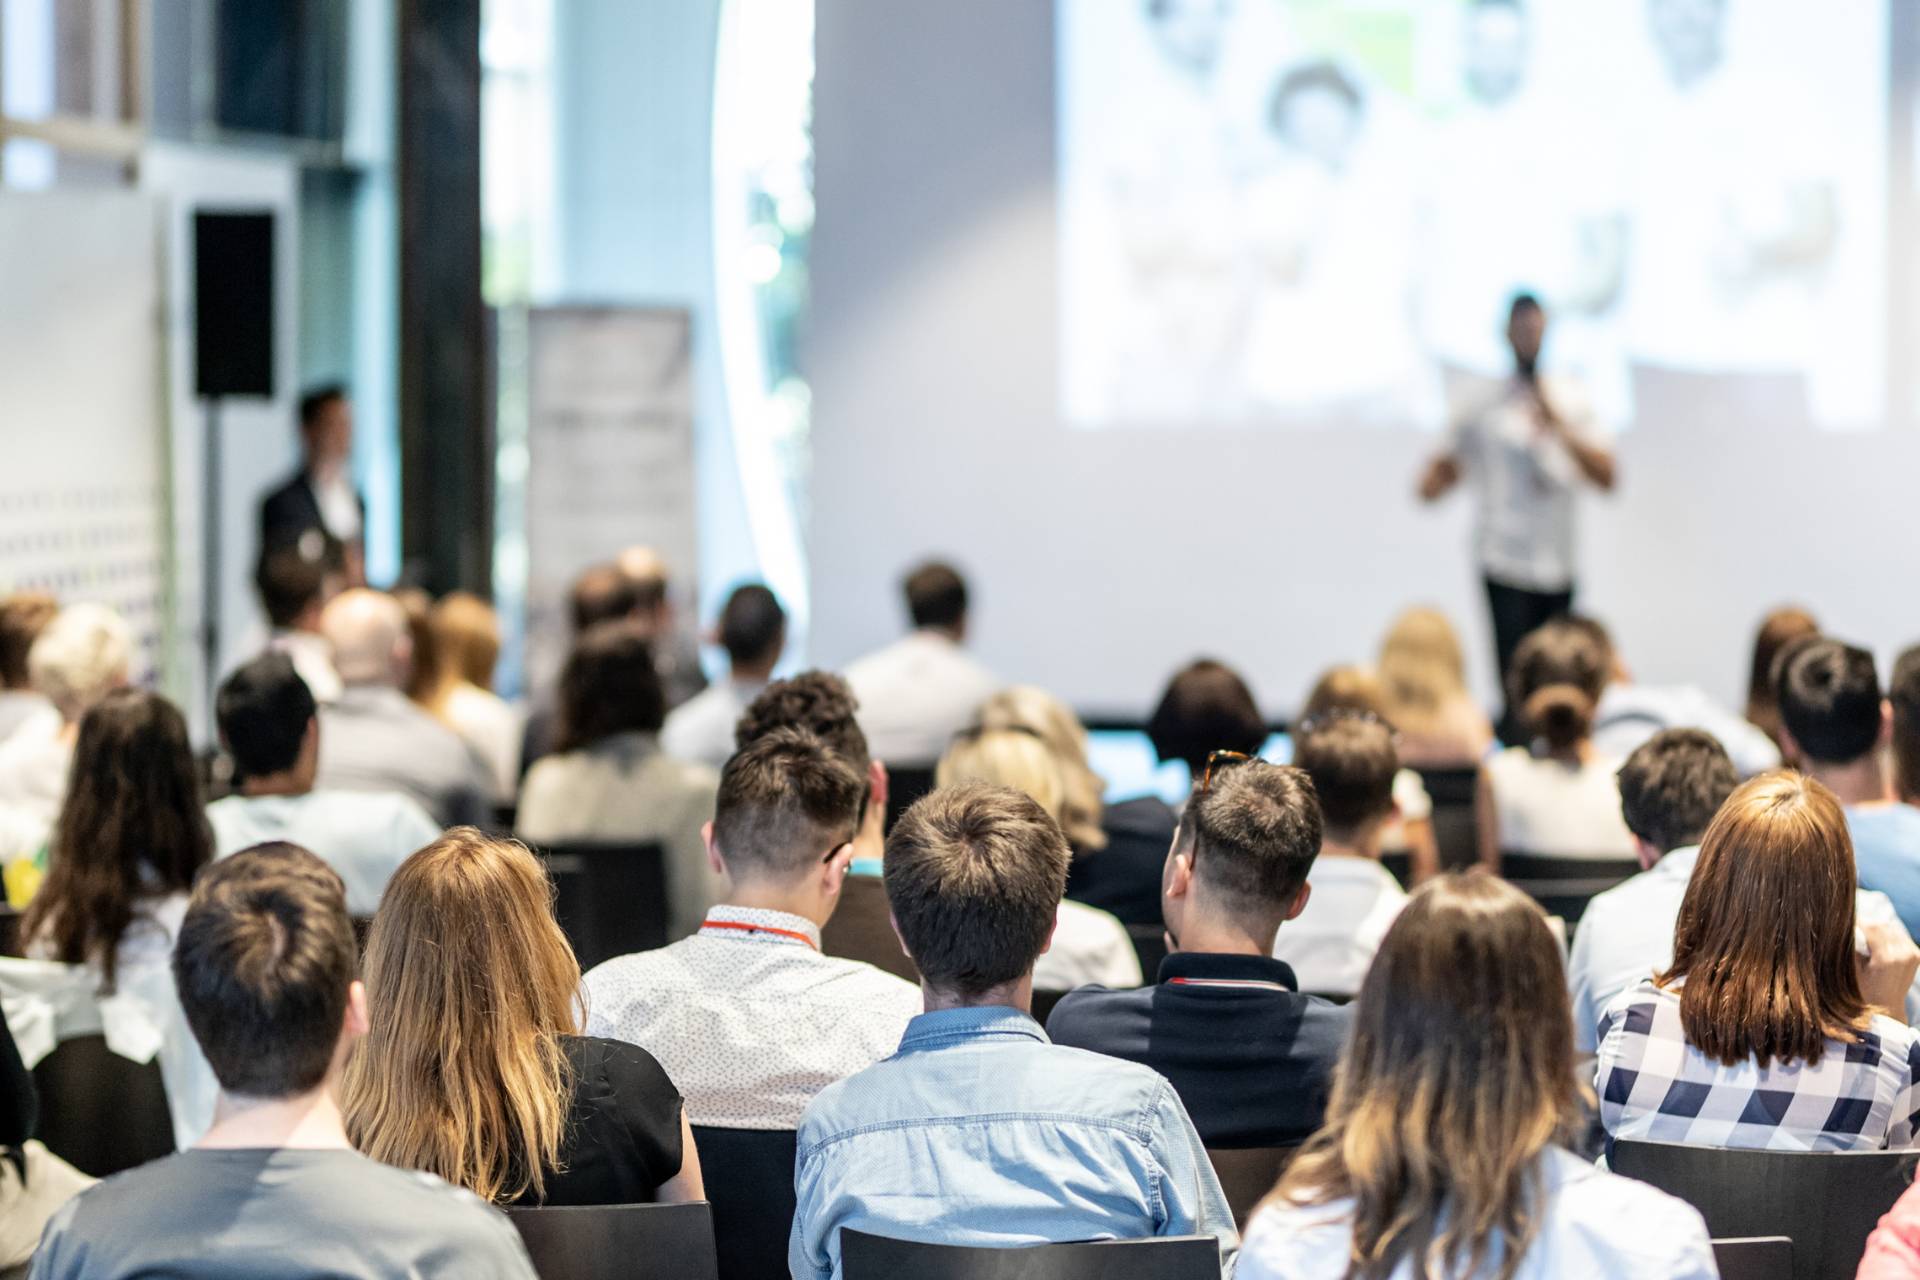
1150 944
1826 1203
1754 1258
904 786
10 931
1564 886
618 1241
100 1112
865 1257
1247 1174
1043 1002
1399 866
860 930
749 1177
610 898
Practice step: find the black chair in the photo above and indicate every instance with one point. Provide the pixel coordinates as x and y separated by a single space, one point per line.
1150 944
860 929
1247 1174
619 1241
865 1257
1826 1203
1564 886
1454 793
749 1177
1043 1002
610 899
1757 1258
1399 866
904 786
100 1112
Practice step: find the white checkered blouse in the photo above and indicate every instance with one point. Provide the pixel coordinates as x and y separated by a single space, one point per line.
1653 1085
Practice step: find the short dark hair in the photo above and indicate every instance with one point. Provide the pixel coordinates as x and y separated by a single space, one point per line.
316 400
1673 784
609 686
601 594
263 711
1207 707
1254 834
1558 672
1352 762
752 624
784 799
1830 700
23 616
817 701
1523 301
289 584
1904 692
974 874
263 965
936 595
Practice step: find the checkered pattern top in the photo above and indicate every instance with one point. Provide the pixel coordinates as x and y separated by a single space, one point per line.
1654 1085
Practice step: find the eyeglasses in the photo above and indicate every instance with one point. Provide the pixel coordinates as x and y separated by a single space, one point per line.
834 852
974 732
1344 715
1217 761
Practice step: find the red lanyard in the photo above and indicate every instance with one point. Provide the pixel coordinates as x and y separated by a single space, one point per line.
742 927
1249 983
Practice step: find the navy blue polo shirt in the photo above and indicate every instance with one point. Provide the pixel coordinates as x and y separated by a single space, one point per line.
1250 1056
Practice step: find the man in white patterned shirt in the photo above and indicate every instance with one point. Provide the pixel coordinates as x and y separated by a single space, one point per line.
749 1019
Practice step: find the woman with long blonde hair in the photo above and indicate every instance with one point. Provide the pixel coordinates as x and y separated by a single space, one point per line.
465 639
1444 1149
474 1067
1423 683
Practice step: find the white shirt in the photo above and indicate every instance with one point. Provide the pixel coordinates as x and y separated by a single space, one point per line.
1089 946
915 694
1595 1226
701 728
23 710
1553 809
1330 945
364 835
1629 714
1525 482
33 773
339 504
749 1020
312 659
492 729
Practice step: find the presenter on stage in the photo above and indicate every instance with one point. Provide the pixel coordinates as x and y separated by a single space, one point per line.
317 511
1526 452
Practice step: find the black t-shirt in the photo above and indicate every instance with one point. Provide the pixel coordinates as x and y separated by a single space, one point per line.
1124 877
623 1127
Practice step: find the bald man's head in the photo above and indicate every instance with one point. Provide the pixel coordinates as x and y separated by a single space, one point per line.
368 632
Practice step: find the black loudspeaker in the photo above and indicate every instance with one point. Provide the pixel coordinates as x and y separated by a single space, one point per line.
233 304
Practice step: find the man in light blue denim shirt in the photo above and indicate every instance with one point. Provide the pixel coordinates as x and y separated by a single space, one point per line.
980 1131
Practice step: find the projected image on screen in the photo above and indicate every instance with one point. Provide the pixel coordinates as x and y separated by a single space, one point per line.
1314 212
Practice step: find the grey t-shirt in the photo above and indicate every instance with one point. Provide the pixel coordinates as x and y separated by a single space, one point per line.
273 1214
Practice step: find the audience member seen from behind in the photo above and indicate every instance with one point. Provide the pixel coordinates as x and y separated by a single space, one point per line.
1248 1054
1118 849
820 703
1556 798
753 631
676 650
1628 713
294 591
275 1191
1769 996
1779 630
271 731
1356 691
749 1019
919 691
1088 945
1049 1143
608 780
23 616
1351 900
600 594
1837 727
374 738
34 1182
1206 707
1445 1147
466 644
487 1081
79 657
1423 686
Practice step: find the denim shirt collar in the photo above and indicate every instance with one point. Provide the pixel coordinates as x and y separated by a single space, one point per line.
945 1027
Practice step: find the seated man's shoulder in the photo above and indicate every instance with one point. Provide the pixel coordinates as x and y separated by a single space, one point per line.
1088 1015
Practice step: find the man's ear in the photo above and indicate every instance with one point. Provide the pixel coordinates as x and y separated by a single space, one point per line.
834 871
1790 752
1299 902
714 860
877 787
1178 881
1647 853
898 936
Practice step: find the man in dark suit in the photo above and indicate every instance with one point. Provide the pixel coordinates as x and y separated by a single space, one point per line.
318 508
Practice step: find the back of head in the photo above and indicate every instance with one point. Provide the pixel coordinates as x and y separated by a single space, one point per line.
817 701
974 875
1207 707
1829 696
1458 1075
466 638
264 964
1557 676
1672 786
609 686
1013 758
263 710
471 984
647 577
1034 710
84 651
290 584
936 596
1765 938
786 801
753 626
371 639
601 594
23 616
1352 762
426 673
1345 690
1253 836
1778 629
1904 694
1421 667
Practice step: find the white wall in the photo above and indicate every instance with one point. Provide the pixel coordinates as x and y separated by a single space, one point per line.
1103 560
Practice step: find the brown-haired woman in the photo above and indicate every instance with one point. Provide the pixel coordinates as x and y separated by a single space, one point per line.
1778 630
474 1068
1771 1027
1557 797
1442 1152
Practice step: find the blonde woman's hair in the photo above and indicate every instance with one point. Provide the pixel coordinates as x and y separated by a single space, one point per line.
1014 758
465 634
1421 670
79 657
471 986
1039 712
1458 1076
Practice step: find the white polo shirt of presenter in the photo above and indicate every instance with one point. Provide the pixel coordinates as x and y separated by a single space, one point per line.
748 1018
1525 482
